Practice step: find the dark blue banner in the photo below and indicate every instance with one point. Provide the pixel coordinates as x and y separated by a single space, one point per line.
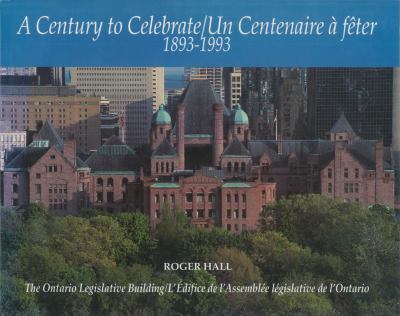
204 33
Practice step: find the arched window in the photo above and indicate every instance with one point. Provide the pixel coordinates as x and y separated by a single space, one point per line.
99 182
229 167
110 182
157 167
15 188
162 167
124 182
236 167
242 167
167 166
172 167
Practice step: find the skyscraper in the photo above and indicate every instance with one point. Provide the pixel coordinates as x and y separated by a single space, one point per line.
125 88
212 74
364 95
232 86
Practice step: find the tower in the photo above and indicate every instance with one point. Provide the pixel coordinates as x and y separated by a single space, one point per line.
160 127
239 125
218 145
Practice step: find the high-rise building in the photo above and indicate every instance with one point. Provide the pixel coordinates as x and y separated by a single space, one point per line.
290 105
232 86
125 88
73 116
364 95
51 75
212 74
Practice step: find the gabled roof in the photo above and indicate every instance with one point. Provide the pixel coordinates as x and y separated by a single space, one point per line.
164 149
236 148
47 132
113 156
27 158
198 99
342 125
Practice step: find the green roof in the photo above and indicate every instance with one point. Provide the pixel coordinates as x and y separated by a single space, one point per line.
236 185
166 185
115 150
239 116
114 172
161 117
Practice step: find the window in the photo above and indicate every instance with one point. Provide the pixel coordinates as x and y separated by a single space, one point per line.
346 188
243 167
229 167
236 214
211 197
81 174
110 182
244 198
15 188
50 168
238 130
189 213
244 213
346 172
15 176
99 197
200 198
52 157
236 167
110 197
356 173
38 188
38 176
236 198
99 182
356 187
330 173
228 213
228 198
157 214
124 182
200 213
55 168
329 187
157 198
15 202
189 197
236 227
211 213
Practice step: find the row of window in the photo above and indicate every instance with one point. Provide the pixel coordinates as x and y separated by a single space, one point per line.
162 167
110 182
236 167
236 214
345 173
58 204
349 187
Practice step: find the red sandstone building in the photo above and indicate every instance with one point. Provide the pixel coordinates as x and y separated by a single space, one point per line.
202 162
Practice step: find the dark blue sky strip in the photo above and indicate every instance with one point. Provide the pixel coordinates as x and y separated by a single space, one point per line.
251 33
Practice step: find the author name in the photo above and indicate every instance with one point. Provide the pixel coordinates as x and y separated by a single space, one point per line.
193 266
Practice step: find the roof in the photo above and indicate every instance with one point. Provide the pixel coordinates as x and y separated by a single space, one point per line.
236 185
164 149
27 158
113 156
165 185
236 148
238 116
161 117
47 132
198 99
342 125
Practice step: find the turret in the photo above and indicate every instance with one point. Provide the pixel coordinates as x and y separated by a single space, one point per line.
160 127
239 125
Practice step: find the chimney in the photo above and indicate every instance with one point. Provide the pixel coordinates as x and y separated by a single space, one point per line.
181 136
379 159
218 133
70 150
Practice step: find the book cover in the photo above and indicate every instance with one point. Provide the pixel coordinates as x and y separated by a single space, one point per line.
199 157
